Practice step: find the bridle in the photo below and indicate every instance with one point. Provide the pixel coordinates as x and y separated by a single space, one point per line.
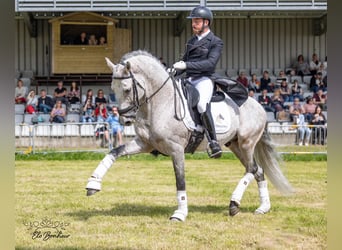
136 102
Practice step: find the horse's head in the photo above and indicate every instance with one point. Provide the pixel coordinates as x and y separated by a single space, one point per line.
128 86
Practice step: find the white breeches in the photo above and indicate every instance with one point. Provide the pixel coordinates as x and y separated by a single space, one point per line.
205 88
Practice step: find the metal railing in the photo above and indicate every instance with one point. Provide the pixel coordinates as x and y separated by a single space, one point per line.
71 137
165 5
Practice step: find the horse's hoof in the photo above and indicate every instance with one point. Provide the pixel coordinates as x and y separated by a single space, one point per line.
91 191
175 219
233 208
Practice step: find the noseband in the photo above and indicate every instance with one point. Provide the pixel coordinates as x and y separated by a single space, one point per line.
136 103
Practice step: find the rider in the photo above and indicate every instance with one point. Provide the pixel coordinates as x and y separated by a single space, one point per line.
203 51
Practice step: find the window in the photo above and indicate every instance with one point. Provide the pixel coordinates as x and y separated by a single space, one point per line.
71 34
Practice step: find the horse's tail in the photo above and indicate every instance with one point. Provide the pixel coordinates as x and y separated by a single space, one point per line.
268 158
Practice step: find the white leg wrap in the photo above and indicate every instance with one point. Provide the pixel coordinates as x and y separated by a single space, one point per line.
182 211
94 182
241 187
265 204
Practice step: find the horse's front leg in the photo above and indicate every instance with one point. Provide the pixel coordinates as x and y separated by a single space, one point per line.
178 164
133 147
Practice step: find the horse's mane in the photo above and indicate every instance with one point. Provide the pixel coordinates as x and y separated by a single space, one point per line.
139 53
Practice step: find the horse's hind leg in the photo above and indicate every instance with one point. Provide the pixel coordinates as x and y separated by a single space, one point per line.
133 147
252 171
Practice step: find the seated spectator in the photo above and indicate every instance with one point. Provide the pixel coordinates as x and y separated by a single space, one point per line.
277 101
60 93
88 112
251 93
101 113
281 77
90 96
82 39
243 79
301 67
309 109
20 92
92 40
296 106
74 94
265 82
320 99
296 91
316 82
58 113
319 129
100 98
115 127
265 101
45 103
302 128
285 91
315 64
31 102
254 84
102 41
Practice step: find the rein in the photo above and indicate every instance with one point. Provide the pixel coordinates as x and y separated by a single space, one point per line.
136 103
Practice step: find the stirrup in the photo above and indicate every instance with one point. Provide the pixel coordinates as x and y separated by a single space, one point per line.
214 150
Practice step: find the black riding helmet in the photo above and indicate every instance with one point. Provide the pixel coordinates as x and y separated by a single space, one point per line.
201 12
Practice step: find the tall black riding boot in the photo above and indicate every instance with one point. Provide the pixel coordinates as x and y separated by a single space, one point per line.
208 124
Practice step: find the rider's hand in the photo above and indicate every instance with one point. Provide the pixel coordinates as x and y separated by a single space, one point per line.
171 71
180 65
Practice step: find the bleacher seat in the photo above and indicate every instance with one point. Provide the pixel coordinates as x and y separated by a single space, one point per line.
275 128
298 78
28 118
45 118
270 116
231 72
307 79
19 109
72 117
19 118
276 71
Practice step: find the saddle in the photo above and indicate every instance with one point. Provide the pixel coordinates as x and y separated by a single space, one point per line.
236 91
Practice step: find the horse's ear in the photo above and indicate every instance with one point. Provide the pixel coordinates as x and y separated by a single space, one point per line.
110 64
128 66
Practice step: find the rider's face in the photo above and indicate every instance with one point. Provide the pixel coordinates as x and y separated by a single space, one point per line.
197 25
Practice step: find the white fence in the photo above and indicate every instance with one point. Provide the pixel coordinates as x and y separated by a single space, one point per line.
82 136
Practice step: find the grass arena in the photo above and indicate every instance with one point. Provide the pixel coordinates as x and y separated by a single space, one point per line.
132 210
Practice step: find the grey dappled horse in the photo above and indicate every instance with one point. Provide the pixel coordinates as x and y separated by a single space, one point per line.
148 94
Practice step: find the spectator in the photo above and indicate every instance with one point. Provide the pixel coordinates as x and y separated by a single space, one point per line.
58 113
320 99
281 77
319 129
301 67
302 128
101 113
243 79
100 98
88 111
92 40
277 102
265 101
31 102
296 106
90 96
60 93
296 91
45 103
309 109
316 82
102 41
265 82
285 91
254 84
82 39
74 93
251 93
20 92
115 126
315 64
